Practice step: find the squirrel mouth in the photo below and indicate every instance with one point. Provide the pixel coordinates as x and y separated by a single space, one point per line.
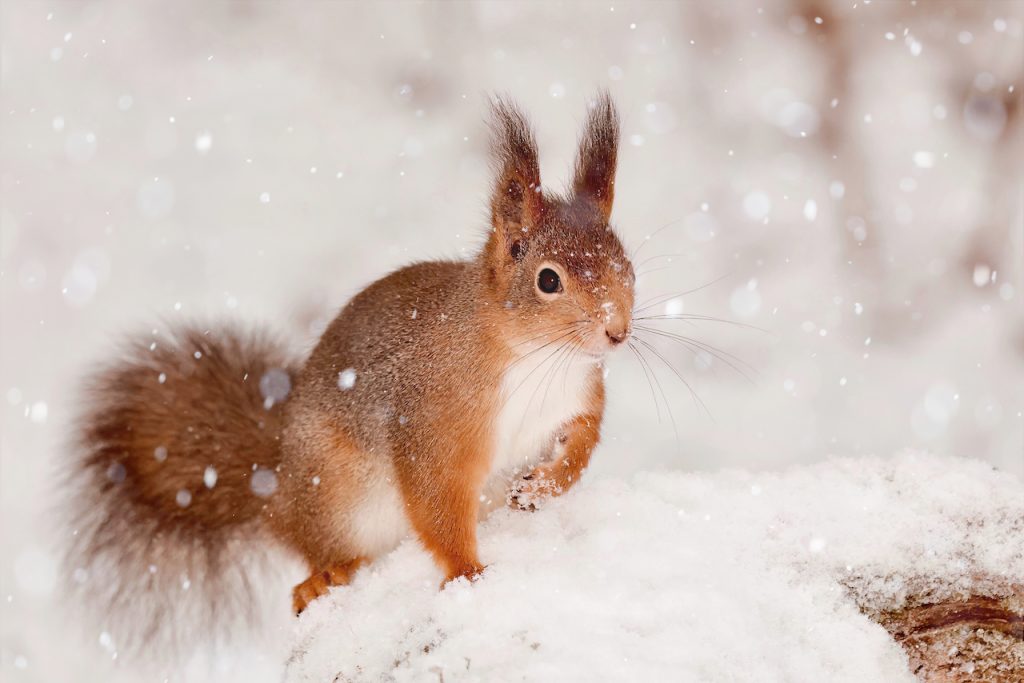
593 354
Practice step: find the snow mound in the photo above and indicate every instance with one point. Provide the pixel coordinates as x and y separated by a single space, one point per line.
672 576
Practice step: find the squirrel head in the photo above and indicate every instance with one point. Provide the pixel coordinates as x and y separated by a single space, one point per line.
553 262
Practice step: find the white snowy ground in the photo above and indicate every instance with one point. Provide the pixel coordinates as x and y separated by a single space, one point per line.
692 577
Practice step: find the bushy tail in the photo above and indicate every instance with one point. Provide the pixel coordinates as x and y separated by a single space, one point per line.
176 454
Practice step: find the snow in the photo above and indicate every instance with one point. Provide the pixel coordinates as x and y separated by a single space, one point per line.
263 482
347 379
681 576
275 385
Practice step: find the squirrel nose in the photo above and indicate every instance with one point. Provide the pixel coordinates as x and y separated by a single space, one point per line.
616 337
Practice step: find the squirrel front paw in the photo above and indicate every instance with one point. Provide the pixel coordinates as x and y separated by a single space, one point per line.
529 492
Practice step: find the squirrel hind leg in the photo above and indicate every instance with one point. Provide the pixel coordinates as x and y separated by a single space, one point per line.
321 581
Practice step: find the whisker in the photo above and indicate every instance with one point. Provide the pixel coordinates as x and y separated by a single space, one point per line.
576 352
653 270
707 318
737 364
637 266
663 298
640 360
539 348
549 330
537 367
694 345
697 400
564 365
648 238
664 397
551 371
721 354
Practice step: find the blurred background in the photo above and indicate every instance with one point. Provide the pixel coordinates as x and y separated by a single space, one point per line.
843 176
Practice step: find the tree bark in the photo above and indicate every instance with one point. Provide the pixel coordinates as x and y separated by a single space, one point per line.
978 638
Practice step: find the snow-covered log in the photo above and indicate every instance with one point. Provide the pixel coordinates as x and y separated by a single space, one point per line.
816 573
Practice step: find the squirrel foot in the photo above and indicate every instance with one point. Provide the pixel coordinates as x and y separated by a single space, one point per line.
471 572
320 582
529 492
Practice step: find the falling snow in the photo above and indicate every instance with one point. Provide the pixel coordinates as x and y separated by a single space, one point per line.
856 211
263 482
275 385
204 141
347 379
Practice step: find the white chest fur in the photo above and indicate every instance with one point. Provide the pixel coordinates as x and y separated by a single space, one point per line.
540 394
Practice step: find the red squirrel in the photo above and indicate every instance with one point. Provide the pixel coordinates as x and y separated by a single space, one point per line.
435 384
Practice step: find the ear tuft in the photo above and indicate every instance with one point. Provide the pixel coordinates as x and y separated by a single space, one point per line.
594 175
517 199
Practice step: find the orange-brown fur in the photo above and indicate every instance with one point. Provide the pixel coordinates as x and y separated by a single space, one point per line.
407 446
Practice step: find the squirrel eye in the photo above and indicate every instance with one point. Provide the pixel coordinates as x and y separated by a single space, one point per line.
548 281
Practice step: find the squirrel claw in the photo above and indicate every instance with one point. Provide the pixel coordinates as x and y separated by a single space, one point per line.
471 572
523 505
308 591
526 493
320 583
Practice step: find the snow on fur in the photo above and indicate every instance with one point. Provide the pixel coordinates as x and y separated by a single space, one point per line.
711 577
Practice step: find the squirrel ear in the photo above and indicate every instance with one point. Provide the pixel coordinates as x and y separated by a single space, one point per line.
594 176
517 202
